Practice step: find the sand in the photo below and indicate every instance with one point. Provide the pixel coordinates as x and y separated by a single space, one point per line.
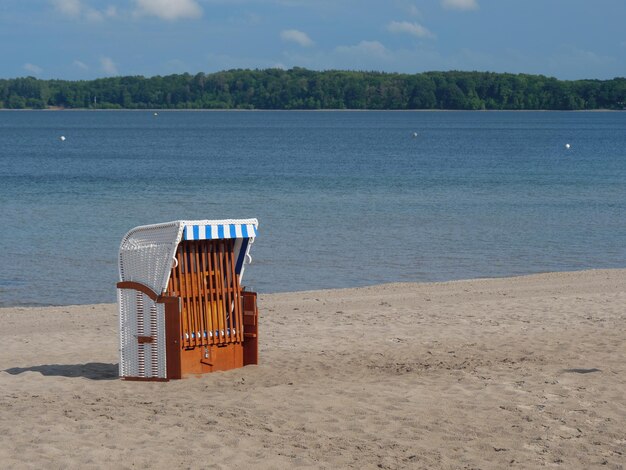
521 372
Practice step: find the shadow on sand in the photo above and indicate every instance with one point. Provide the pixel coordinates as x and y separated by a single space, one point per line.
91 370
582 371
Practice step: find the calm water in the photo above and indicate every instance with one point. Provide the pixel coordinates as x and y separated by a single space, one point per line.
343 198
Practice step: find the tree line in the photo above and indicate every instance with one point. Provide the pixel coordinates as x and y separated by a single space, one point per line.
299 88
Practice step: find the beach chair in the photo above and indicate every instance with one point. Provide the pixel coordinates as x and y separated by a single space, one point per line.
182 309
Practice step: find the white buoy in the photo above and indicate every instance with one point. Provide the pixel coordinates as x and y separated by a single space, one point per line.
414 134
62 138
567 146
156 114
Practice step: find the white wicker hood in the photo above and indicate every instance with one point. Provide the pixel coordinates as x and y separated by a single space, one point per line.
147 252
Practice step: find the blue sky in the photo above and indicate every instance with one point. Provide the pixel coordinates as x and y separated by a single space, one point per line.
86 39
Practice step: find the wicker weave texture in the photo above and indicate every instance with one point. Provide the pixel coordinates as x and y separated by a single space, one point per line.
146 254
140 316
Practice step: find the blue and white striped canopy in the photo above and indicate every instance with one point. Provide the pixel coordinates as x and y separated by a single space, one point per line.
218 231
146 252
241 230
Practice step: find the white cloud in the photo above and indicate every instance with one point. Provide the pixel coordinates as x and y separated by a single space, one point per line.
169 9
68 7
80 65
76 9
369 48
460 4
33 68
108 66
414 29
296 36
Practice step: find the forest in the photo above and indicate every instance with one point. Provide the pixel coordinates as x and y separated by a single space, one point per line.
299 88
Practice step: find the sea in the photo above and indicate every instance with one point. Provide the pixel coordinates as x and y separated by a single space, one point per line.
343 199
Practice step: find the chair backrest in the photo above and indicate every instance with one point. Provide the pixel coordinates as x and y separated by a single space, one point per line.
204 278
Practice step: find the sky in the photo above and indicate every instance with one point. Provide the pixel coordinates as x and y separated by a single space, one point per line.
87 39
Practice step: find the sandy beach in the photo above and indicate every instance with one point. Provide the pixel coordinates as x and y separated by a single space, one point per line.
521 372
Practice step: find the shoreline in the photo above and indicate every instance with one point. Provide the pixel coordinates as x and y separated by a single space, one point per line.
519 372
152 110
408 284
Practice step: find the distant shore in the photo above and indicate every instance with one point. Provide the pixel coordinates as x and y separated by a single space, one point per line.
299 88
167 110
489 373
